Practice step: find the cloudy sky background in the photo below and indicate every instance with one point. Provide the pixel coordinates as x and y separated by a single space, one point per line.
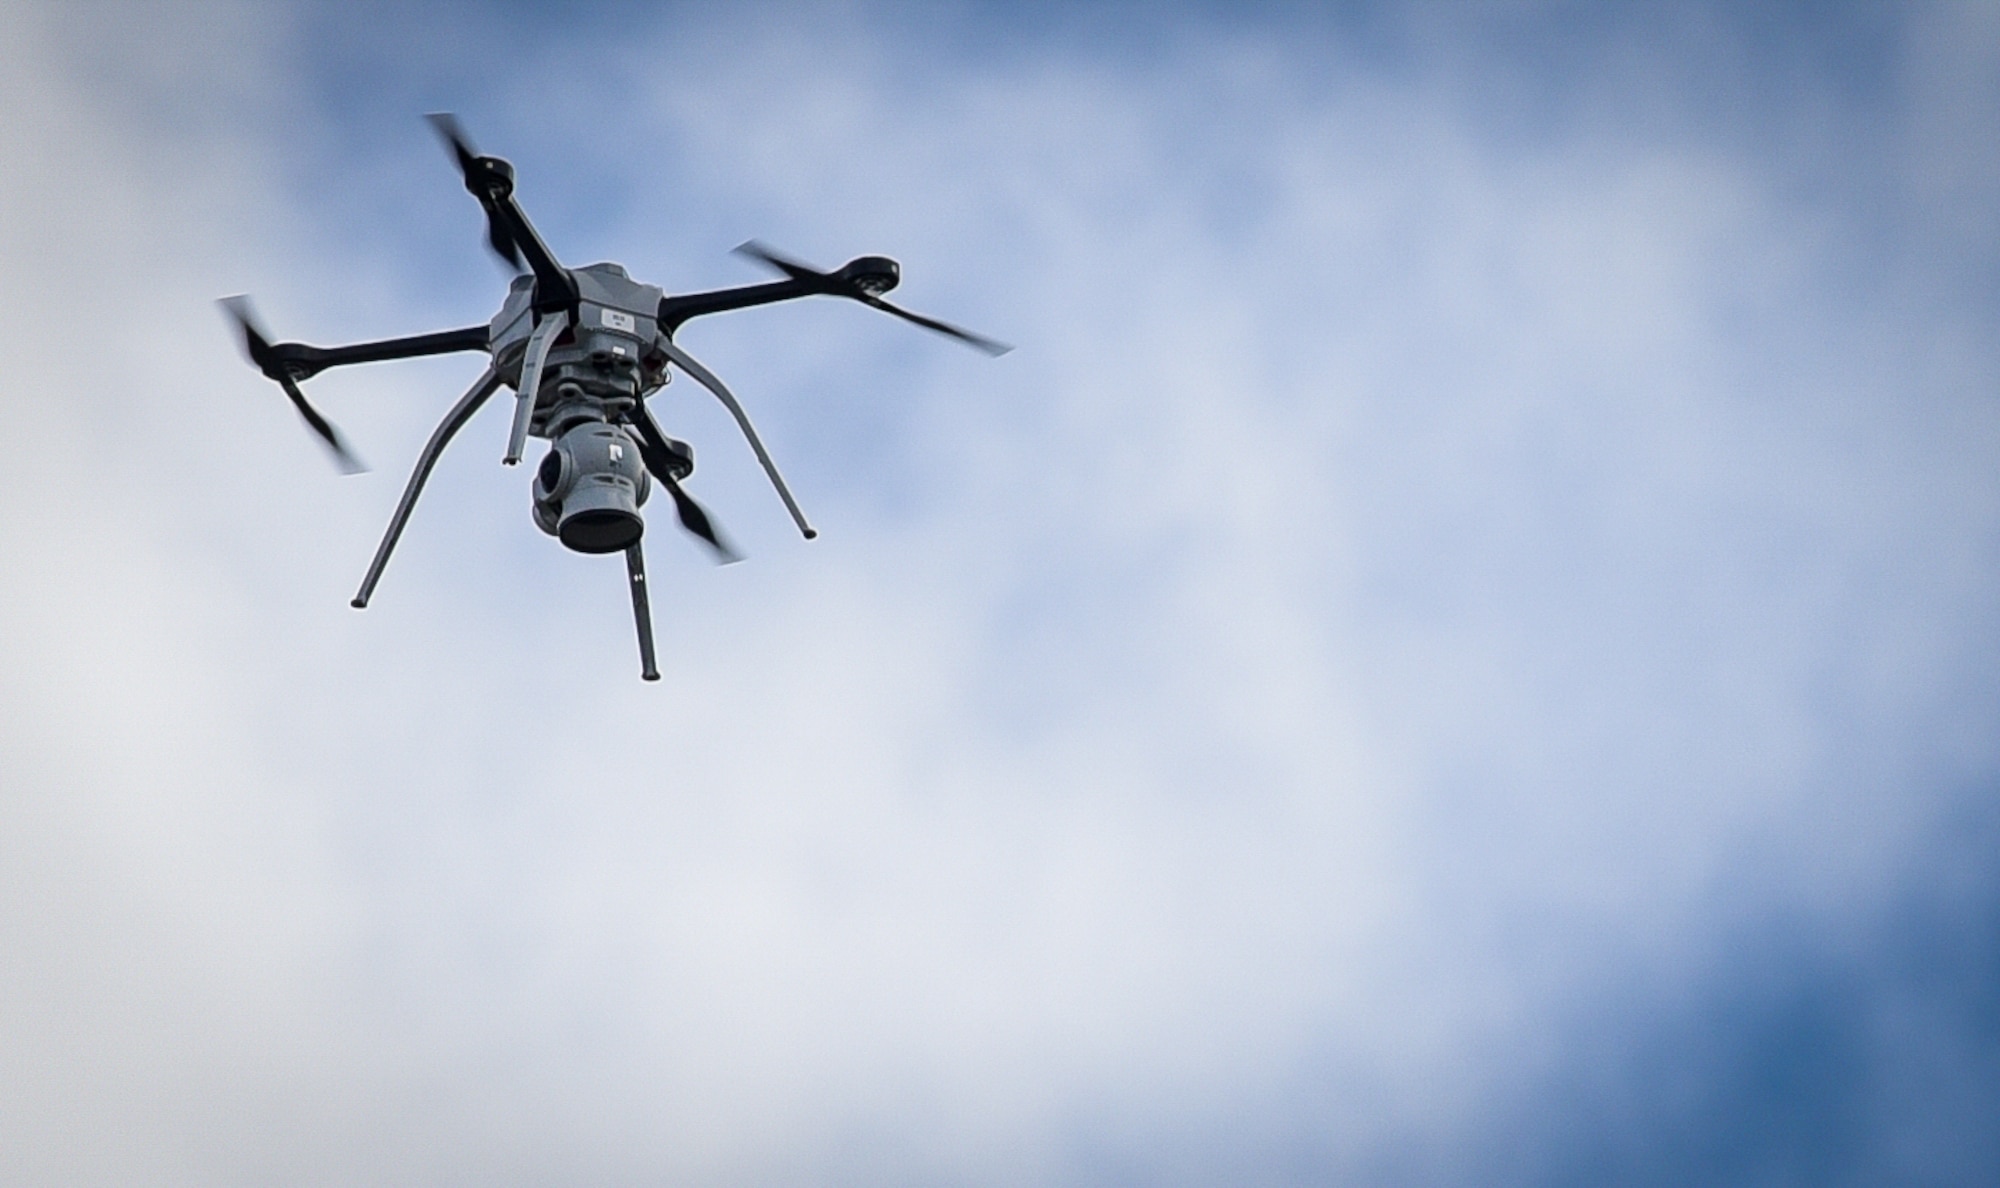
1462 648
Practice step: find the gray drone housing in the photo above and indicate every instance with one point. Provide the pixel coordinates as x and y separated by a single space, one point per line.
589 487
609 352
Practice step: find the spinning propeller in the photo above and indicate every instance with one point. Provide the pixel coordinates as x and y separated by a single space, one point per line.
864 279
508 231
489 179
266 359
669 462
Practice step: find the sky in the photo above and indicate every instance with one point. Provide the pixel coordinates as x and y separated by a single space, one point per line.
1462 647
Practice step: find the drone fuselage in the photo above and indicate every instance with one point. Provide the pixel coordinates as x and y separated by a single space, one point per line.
589 487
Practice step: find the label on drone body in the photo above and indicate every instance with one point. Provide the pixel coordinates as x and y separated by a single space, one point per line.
612 319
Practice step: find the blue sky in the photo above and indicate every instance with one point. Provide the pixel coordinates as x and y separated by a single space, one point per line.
1459 648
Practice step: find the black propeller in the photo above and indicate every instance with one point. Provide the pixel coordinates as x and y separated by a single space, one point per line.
863 279
669 465
266 360
490 179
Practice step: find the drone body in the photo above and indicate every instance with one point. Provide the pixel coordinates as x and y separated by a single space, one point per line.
582 349
589 487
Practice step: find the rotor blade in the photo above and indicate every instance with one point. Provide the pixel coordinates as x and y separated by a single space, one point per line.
790 267
259 349
965 336
696 521
503 243
342 456
470 165
830 283
708 379
669 468
447 126
255 344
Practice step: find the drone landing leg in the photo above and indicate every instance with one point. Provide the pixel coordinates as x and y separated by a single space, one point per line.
708 380
531 382
460 413
642 613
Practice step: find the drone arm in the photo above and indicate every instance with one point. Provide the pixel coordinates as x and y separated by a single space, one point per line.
678 309
482 388
675 310
708 380
301 361
555 288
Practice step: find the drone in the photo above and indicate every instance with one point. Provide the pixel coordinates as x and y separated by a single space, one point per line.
582 349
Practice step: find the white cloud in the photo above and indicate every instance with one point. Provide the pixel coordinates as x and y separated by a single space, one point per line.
1412 569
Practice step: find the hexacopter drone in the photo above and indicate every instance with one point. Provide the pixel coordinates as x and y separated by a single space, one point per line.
582 348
